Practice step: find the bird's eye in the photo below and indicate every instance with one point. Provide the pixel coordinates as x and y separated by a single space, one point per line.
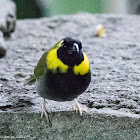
63 46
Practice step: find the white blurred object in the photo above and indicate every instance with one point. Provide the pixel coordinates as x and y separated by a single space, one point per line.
121 6
115 6
134 7
100 31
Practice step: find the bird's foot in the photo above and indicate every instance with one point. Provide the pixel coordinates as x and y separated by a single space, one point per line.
78 107
44 111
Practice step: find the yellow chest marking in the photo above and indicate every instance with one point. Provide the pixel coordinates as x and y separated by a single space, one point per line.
82 68
53 63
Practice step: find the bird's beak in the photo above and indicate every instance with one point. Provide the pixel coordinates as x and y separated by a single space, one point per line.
76 48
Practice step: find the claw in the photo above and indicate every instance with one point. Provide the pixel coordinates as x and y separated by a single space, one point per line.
78 107
44 110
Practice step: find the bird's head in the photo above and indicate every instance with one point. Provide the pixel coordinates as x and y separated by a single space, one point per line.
70 52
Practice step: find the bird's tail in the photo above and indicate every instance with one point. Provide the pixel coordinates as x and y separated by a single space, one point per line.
30 80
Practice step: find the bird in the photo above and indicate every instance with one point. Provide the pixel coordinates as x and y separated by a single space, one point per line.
62 73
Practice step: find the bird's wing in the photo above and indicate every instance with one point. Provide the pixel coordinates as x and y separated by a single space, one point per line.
41 68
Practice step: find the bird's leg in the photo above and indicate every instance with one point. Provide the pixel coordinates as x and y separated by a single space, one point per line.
44 110
78 107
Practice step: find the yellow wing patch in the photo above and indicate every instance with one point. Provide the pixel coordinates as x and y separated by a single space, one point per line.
53 63
82 68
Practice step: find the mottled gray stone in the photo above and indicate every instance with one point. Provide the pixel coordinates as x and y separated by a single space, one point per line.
2 46
113 95
7 16
7 22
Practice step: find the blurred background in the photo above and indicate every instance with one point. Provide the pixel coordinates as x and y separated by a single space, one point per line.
48 8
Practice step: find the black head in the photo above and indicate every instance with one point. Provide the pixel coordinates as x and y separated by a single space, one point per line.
70 52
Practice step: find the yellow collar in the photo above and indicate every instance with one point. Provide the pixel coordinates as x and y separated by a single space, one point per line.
54 64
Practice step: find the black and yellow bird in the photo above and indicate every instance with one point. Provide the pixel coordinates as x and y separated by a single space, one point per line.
62 73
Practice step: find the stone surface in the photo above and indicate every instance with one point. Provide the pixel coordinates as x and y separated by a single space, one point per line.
114 92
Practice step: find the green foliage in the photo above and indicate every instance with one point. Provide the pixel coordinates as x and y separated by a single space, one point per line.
74 6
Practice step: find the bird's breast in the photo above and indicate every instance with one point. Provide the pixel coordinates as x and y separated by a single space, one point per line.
67 86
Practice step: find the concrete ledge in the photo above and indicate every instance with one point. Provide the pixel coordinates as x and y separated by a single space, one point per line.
68 125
